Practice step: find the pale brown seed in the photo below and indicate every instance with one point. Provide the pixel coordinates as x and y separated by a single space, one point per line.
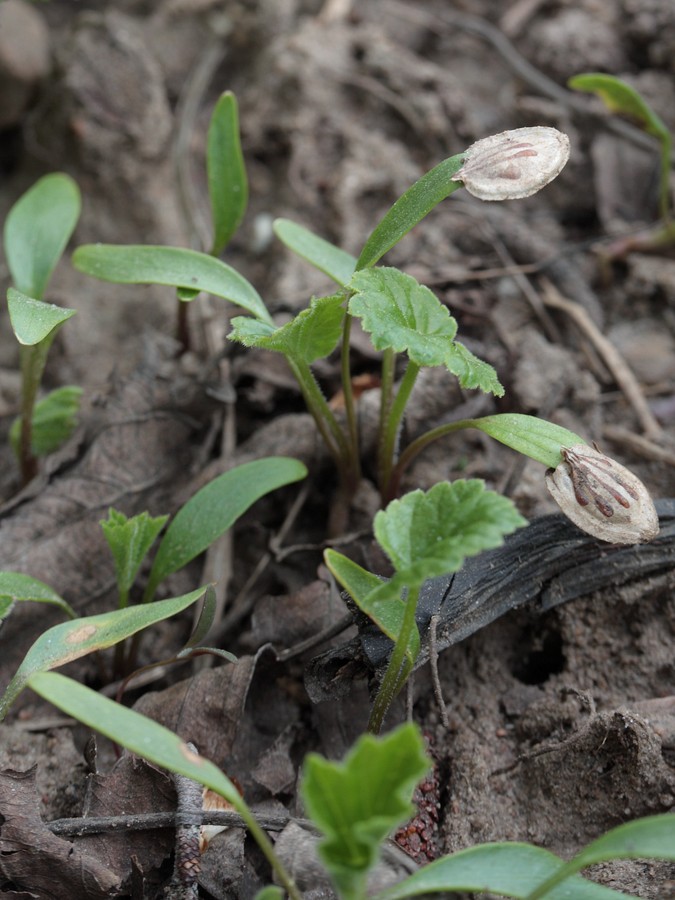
602 497
514 164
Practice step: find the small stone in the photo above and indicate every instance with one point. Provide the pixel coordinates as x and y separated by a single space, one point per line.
24 58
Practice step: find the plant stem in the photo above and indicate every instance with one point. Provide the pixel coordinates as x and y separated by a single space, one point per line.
390 432
347 390
265 845
664 180
386 392
417 446
328 426
399 666
33 361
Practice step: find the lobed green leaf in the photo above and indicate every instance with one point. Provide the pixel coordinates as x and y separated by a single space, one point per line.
54 420
411 208
471 371
358 802
129 541
430 534
324 256
174 266
37 230
536 438
311 335
33 321
215 508
401 314
71 640
226 172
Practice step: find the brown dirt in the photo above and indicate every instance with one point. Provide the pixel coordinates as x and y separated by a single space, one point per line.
562 719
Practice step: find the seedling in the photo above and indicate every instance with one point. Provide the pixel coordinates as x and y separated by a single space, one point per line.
204 518
624 100
401 315
358 802
36 232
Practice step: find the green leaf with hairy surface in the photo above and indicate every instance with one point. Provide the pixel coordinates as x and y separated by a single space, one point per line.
536 438
54 420
430 534
621 98
401 314
33 320
649 838
174 266
226 172
17 587
324 256
71 640
411 208
508 869
311 335
471 371
358 802
130 729
379 600
215 508
6 606
37 229
129 541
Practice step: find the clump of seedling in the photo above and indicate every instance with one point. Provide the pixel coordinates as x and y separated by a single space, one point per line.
36 232
357 803
622 99
203 519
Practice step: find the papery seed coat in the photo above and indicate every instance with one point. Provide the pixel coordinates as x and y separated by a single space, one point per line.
602 497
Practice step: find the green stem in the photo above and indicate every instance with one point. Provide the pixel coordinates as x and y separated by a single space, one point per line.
389 435
182 325
326 422
396 674
265 845
386 393
347 390
417 446
33 361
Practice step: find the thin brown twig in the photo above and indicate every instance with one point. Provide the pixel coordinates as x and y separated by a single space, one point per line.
611 357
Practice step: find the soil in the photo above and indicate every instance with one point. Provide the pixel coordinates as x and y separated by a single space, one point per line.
560 707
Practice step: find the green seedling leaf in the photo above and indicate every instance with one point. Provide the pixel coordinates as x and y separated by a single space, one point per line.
54 420
16 587
270 893
401 314
71 640
174 266
621 98
37 229
471 371
324 256
130 729
430 534
379 600
411 208
508 869
33 320
536 438
226 172
129 541
311 335
650 838
215 508
358 802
